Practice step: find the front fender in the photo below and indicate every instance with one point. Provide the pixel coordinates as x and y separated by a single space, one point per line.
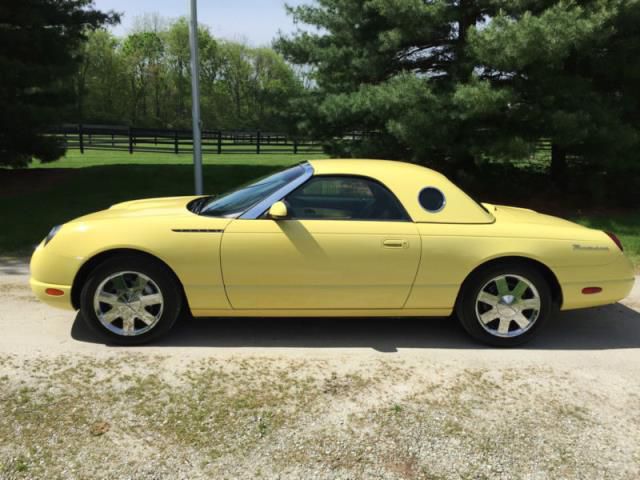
189 246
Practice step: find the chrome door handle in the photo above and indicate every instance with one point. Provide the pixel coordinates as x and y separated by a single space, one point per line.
395 243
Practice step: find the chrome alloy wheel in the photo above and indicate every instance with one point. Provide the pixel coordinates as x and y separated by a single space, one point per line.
128 303
507 305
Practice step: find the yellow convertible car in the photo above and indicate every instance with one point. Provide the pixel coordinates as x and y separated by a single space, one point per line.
328 238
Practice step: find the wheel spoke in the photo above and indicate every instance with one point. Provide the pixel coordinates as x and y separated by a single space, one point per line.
111 315
146 317
119 283
503 326
151 299
486 297
128 324
529 304
502 286
521 320
108 298
139 284
519 289
488 316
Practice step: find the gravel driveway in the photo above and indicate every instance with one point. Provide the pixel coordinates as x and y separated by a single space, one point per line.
323 398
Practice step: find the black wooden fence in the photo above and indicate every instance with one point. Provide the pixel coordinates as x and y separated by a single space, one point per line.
103 137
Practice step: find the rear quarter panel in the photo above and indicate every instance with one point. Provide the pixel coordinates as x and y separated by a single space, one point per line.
451 252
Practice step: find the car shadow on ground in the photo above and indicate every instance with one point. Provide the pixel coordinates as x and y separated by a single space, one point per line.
610 327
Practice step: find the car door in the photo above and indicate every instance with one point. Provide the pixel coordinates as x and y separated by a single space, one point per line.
347 243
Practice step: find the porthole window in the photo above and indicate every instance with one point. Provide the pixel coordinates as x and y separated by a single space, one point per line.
432 199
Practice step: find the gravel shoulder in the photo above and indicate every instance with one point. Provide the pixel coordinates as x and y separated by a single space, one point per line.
326 398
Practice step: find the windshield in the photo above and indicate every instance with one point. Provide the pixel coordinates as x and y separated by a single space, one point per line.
238 201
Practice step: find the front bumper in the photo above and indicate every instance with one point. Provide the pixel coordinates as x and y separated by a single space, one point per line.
51 269
59 301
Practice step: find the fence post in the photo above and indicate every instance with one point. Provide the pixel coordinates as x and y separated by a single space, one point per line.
175 141
295 146
130 141
258 141
81 138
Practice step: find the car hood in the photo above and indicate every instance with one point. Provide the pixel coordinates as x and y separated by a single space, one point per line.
506 214
159 204
163 206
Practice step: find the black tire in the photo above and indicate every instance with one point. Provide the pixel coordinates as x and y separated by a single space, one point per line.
171 291
466 304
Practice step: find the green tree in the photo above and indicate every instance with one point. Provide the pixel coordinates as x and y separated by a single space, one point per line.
39 45
235 74
101 83
572 71
178 67
452 82
272 84
144 79
212 94
397 68
143 52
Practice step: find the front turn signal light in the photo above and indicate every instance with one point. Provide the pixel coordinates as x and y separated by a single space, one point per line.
54 292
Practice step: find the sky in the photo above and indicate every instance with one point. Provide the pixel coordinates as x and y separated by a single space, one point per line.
255 21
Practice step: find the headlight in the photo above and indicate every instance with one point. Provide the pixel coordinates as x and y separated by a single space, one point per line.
52 233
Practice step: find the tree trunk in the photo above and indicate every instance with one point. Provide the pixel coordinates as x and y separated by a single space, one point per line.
467 18
466 162
157 99
457 166
558 165
80 101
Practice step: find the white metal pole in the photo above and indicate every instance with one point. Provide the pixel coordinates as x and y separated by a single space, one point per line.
195 98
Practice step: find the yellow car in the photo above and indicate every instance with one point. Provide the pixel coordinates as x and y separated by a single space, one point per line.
328 238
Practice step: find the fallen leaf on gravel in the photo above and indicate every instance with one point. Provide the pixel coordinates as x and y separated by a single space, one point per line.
99 428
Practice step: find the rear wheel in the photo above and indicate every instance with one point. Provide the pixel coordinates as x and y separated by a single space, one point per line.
130 300
505 305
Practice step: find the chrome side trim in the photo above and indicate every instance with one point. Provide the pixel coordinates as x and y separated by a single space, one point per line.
197 230
264 204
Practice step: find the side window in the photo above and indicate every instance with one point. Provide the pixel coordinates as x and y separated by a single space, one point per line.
344 198
432 199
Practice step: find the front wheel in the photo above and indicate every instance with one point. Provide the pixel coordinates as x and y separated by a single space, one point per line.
504 305
130 300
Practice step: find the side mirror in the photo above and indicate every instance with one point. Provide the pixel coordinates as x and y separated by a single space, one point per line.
278 211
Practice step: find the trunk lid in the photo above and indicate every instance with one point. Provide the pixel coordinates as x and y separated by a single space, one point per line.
504 213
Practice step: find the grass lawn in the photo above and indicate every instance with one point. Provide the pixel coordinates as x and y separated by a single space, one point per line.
33 200
72 193
93 158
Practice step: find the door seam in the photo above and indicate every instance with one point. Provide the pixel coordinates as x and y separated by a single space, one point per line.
224 284
415 277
